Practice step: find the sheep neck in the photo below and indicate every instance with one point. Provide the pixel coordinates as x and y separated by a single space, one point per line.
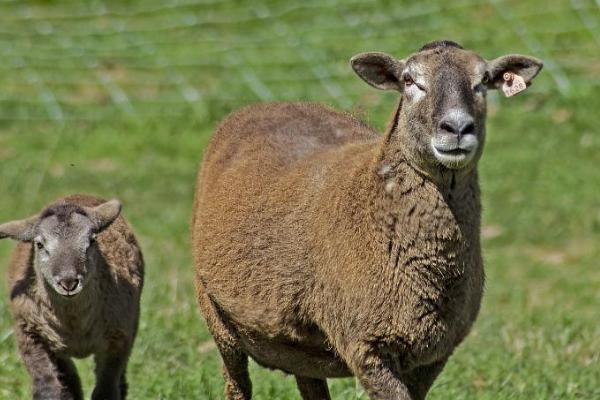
429 232
434 205
394 157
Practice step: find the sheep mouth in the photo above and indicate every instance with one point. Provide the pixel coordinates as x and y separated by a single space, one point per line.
68 294
454 158
71 292
453 152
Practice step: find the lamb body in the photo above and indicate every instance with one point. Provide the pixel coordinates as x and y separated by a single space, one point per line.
101 319
326 250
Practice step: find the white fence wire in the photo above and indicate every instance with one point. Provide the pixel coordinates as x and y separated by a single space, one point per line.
86 61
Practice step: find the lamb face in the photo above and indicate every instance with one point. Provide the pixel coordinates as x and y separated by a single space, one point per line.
441 122
63 237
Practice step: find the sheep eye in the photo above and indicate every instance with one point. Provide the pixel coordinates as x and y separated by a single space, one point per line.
408 81
39 245
483 84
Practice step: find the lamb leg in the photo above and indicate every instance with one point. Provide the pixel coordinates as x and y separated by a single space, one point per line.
44 368
69 377
109 371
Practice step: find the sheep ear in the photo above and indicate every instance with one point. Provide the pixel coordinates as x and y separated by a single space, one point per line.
379 70
22 230
104 214
525 67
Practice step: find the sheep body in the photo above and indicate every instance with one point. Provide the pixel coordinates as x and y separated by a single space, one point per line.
324 250
283 266
102 320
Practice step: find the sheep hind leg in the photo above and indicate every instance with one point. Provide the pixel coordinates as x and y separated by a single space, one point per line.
312 389
235 362
235 373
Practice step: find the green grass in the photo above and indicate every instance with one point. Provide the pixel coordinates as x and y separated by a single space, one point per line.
66 127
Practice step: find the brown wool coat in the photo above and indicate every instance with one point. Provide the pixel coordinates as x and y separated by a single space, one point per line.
315 243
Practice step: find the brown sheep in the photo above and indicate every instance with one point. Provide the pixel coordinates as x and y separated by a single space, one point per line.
75 281
326 250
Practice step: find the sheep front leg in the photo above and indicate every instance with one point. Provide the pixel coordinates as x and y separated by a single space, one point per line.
110 377
378 377
312 389
69 377
381 383
420 379
51 379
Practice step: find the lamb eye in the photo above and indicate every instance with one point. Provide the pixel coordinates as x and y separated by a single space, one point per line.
485 79
39 245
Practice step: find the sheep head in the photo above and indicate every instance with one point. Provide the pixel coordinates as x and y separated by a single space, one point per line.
440 123
63 236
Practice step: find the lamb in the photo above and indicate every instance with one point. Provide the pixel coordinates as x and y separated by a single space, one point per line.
324 249
75 280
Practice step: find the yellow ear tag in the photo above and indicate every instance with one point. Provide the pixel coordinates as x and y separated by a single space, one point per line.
513 84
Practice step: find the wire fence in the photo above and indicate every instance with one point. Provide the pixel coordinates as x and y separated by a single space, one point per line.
88 61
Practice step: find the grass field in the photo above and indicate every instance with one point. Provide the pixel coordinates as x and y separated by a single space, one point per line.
120 98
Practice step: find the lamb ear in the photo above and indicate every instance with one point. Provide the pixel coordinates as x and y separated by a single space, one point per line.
104 214
379 70
525 66
22 230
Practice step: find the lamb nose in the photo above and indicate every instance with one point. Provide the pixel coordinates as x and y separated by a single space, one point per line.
69 284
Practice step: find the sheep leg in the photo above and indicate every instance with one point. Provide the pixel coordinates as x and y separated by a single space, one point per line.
312 389
69 378
237 379
123 386
235 362
110 370
380 380
383 384
43 367
420 379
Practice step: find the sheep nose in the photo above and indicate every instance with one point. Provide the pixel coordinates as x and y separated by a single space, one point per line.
457 123
69 284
